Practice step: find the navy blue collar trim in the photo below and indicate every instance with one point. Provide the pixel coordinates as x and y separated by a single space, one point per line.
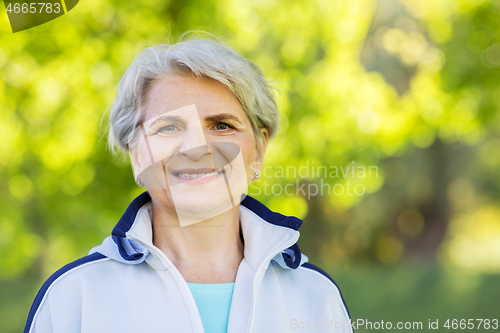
126 221
128 218
268 215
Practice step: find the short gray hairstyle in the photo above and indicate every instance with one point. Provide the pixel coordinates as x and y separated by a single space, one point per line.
201 57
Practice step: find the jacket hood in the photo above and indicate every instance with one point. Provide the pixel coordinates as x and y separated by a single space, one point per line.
268 236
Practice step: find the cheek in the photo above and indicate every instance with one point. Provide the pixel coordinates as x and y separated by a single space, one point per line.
249 154
160 148
246 144
143 159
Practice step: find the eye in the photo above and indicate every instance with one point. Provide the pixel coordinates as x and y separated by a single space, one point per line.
222 126
167 129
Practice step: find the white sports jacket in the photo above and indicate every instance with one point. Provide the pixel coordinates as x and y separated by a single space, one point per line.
127 284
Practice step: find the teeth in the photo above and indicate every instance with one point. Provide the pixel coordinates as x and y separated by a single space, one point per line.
198 175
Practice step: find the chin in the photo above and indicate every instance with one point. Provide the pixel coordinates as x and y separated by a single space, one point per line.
193 207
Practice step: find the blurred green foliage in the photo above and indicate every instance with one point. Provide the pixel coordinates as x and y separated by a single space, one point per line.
408 86
408 293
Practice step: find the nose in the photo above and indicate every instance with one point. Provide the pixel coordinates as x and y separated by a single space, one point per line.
194 144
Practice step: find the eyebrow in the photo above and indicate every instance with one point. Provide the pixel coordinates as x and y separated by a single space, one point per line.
222 116
212 118
166 118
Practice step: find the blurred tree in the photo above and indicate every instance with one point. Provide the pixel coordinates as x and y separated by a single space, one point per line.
361 81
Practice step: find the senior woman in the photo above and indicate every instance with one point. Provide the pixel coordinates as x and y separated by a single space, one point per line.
193 253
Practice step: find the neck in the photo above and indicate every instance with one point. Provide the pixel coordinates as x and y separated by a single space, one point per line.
209 251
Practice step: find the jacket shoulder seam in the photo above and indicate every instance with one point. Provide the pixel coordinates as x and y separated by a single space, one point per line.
56 277
324 275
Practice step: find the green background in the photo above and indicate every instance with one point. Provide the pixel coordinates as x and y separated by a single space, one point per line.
408 86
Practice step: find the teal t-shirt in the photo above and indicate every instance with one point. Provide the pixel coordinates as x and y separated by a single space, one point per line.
213 301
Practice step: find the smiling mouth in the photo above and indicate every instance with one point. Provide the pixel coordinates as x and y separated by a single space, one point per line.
197 175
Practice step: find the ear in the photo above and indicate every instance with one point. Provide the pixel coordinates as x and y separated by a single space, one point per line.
263 140
134 159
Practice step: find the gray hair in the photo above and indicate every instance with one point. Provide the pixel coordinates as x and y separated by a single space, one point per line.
200 57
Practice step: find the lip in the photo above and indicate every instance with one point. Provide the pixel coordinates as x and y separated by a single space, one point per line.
201 180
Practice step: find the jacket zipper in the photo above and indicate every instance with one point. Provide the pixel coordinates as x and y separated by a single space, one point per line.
260 275
182 285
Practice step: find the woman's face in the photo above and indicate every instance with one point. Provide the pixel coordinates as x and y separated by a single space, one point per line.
196 152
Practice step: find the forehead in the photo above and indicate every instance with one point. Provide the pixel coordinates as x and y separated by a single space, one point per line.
174 92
